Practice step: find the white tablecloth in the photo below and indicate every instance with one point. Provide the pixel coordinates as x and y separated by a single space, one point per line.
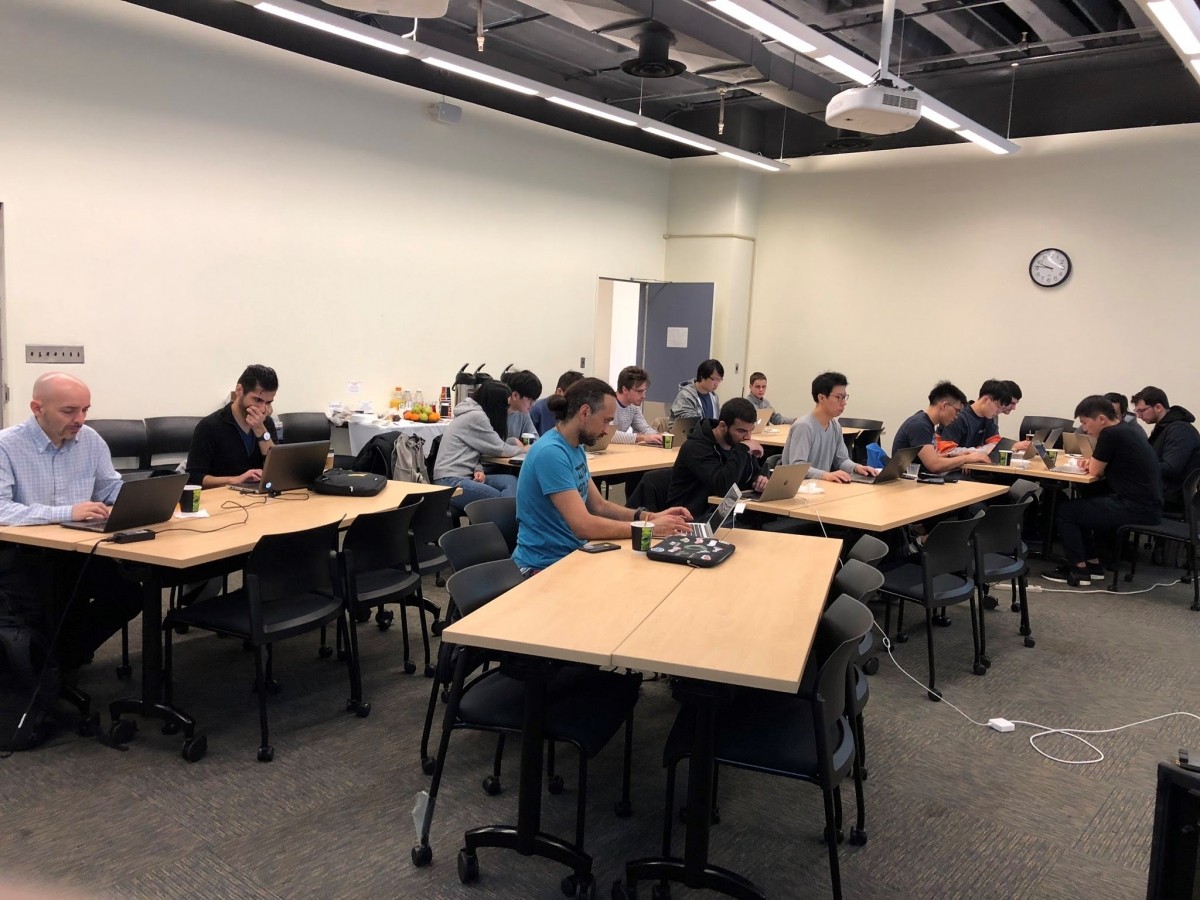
360 435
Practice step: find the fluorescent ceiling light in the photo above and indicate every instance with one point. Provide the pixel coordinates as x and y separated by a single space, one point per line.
322 22
983 142
938 119
774 30
593 111
757 161
848 69
1171 19
479 75
707 148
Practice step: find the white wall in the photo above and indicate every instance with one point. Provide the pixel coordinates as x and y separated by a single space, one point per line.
182 202
901 268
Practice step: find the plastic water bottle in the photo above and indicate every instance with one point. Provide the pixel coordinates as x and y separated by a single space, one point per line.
277 437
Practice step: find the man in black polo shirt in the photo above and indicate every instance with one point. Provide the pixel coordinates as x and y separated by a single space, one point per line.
946 402
1124 457
975 425
229 445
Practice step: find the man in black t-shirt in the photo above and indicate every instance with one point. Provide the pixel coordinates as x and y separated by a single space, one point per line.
975 425
1124 457
945 403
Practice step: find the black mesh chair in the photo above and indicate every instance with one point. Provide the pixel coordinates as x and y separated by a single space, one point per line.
651 491
584 707
868 549
291 587
1000 556
807 736
299 427
126 439
168 436
859 580
380 569
428 525
473 544
771 462
943 578
1032 424
856 446
500 511
1186 532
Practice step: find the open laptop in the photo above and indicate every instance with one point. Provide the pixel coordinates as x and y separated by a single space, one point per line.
1002 444
1077 444
717 520
140 503
602 442
1047 436
763 419
680 429
289 467
895 467
784 482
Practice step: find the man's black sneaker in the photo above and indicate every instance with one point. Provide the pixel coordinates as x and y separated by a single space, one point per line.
1072 576
1096 571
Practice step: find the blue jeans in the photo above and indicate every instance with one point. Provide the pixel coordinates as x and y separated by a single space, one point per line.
472 490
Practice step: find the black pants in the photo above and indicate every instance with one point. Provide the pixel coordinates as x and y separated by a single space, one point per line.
1080 520
37 586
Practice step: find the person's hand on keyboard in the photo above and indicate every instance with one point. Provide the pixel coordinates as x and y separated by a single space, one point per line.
670 521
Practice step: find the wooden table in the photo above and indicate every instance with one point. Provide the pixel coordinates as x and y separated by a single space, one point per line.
870 507
1037 469
178 554
620 459
778 435
680 621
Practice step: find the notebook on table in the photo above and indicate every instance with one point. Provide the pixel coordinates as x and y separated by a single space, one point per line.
140 503
289 467
896 466
784 482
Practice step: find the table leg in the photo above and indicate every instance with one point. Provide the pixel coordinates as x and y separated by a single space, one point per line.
694 869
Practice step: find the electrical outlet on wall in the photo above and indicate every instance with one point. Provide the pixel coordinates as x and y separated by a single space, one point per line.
54 354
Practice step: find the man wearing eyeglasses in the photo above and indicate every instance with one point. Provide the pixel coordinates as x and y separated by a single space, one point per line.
1175 440
975 425
816 438
946 402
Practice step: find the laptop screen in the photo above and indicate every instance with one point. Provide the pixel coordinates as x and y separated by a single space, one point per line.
725 508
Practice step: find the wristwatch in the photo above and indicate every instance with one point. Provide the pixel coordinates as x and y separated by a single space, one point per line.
638 513
265 436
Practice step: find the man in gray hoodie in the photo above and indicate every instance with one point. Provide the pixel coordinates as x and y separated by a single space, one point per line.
698 399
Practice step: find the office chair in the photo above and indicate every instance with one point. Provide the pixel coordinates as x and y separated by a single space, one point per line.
473 544
168 435
501 511
430 523
651 491
1031 424
126 439
583 706
870 550
771 462
1000 556
1185 532
856 446
859 580
299 427
942 578
807 736
293 584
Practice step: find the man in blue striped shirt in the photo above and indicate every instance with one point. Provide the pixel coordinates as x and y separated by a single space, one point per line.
55 469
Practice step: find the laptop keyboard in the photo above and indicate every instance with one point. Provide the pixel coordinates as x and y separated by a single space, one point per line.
700 529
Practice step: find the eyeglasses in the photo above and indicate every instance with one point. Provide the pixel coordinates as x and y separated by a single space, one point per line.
840 398
1141 411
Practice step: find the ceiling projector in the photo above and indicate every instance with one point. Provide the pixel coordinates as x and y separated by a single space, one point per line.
408 9
874 109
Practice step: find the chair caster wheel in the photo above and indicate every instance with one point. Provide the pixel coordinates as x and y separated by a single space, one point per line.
864 772
1030 642
360 708
934 695
121 732
858 837
124 673
422 855
266 753
838 834
491 785
990 602
1016 607
1025 631
170 727
362 616
623 809
439 580
436 628
409 667
554 784
430 670
195 748
384 618
182 629
987 661
427 765
979 669
324 652
468 866
942 621
900 639
871 666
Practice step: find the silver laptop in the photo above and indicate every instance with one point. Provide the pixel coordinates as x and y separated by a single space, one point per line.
1077 444
140 503
784 482
602 442
895 467
1047 436
680 429
289 467
717 520
763 419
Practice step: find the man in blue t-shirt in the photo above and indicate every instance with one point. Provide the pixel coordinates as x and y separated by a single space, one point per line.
558 507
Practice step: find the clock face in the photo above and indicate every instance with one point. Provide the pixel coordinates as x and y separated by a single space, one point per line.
1049 268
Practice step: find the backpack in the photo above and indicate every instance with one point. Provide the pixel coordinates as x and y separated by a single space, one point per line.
408 459
24 657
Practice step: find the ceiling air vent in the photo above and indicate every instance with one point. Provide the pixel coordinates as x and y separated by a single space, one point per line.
654 45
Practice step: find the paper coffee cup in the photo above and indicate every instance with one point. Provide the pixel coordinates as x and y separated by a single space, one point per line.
1005 457
528 438
668 440
189 499
1051 458
641 533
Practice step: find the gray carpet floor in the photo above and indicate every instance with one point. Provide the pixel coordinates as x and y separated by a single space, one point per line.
954 809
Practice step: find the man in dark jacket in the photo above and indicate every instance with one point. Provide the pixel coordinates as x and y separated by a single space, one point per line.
1175 440
718 454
